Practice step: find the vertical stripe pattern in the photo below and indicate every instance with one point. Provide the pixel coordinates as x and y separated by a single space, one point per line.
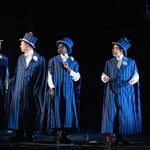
62 111
121 97
27 95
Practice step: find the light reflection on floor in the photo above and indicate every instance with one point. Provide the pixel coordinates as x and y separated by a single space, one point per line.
82 140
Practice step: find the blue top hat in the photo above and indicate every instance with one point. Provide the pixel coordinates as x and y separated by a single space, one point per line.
29 38
124 43
67 42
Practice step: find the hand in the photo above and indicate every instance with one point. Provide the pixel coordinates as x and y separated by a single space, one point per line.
105 78
131 82
52 93
66 66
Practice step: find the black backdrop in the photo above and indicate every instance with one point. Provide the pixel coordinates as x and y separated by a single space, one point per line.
92 26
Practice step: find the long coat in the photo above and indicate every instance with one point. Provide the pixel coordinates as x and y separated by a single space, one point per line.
121 98
60 112
27 97
4 77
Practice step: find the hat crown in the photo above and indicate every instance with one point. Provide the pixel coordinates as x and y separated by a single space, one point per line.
29 38
124 43
68 41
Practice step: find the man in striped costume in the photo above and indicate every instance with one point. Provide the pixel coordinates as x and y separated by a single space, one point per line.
63 72
28 90
121 102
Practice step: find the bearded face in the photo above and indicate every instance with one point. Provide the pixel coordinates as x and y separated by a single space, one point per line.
117 51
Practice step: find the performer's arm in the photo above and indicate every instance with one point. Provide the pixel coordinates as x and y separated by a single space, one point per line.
134 79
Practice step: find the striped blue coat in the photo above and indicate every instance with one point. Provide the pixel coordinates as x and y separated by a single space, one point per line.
4 77
122 97
61 111
28 92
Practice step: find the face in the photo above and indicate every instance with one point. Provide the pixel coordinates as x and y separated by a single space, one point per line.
62 49
117 51
24 46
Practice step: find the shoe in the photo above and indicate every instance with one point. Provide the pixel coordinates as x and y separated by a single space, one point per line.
108 140
62 138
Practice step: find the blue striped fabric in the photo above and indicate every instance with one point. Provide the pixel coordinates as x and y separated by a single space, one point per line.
4 75
27 97
62 111
118 92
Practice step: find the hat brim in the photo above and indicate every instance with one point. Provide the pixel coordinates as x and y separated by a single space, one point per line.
27 42
66 45
115 43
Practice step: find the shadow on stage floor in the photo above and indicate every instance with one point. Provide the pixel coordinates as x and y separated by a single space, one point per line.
82 140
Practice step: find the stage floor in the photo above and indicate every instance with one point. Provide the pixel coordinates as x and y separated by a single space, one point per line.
82 140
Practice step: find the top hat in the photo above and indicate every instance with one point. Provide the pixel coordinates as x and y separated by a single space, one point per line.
124 43
29 38
66 42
